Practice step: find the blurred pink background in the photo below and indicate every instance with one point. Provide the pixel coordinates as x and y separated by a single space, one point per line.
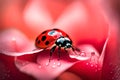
92 20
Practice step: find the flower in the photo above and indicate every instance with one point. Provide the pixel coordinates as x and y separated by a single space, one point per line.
74 17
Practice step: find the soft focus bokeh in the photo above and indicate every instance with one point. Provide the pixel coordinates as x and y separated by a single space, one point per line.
92 25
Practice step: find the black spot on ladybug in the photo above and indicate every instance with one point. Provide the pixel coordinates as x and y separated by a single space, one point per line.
43 38
55 29
37 39
44 32
38 42
47 42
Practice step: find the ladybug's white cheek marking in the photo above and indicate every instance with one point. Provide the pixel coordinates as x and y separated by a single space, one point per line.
60 40
67 39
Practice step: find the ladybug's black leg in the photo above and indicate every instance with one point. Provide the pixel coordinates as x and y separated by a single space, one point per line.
65 50
75 49
51 52
59 49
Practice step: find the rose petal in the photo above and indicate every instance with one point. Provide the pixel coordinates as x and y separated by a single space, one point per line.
69 76
84 19
75 13
85 36
86 52
14 43
36 16
56 8
111 64
92 67
43 67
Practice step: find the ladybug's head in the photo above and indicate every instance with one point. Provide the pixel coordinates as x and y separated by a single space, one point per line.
64 42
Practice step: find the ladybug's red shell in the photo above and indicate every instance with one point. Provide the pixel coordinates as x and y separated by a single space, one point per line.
48 38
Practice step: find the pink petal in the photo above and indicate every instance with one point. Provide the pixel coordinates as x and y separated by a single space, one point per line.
91 68
82 18
95 33
16 47
42 67
36 16
87 31
111 62
14 43
40 70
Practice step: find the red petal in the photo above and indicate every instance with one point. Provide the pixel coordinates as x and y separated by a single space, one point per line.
12 41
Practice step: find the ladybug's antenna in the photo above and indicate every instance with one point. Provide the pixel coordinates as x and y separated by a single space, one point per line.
75 49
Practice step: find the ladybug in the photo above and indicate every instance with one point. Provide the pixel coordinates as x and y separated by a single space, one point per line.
53 38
